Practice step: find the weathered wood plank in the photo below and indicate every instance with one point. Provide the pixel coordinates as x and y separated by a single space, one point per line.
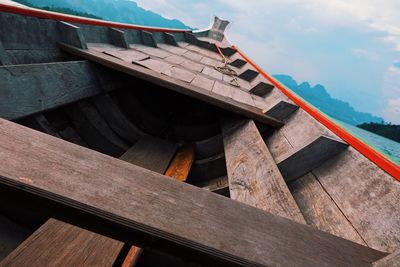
393 260
71 34
296 163
118 38
219 186
30 89
76 246
175 85
151 153
57 243
4 60
254 178
320 211
87 182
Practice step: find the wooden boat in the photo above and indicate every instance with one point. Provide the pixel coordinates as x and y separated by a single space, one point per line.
98 117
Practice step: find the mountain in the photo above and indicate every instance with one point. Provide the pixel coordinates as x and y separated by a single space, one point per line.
320 98
124 11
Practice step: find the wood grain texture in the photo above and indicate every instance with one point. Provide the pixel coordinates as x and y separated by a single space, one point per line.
320 211
254 178
181 164
296 163
218 185
148 205
30 89
58 243
392 260
175 85
366 195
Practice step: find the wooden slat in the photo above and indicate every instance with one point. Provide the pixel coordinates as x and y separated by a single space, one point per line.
219 186
148 39
296 163
254 178
179 170
261 89
34 88
282 110
175 85
393 260
170 39
320 211
118 38
71 34
180 166
80 186
76 246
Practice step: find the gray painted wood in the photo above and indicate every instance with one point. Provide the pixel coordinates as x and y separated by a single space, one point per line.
118 38
282 110
71 34
254 178
148 205
148 39
175 85
4 60
320 211
30 89
261 89
170 39
296 163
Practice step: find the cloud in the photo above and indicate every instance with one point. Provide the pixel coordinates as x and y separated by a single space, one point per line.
363 53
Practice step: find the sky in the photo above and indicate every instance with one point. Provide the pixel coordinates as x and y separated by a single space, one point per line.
352 47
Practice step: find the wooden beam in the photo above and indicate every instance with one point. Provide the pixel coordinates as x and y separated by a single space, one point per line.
282 110
71 34
170 39
248 75
174 84
254 178
76 246
178 169
30 89
138 206
180 166
148 39
261 89
392 260
238 63
118 38
296 163
218 185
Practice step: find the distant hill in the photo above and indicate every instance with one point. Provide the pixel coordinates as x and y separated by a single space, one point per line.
124 11
386 130
320 98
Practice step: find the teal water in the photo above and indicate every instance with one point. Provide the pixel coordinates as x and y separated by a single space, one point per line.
386 146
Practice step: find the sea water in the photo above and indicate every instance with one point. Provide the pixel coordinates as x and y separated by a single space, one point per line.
386 146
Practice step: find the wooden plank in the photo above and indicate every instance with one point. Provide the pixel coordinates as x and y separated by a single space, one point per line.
148 39
71 34
29 89
261 89
248 75
151 153
75 246
218 185
254 178
118 38
282 110
238 63
175 85
393 260
4 60
80 186
180 166
116 119
320 211
94 130
170 39
295 164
